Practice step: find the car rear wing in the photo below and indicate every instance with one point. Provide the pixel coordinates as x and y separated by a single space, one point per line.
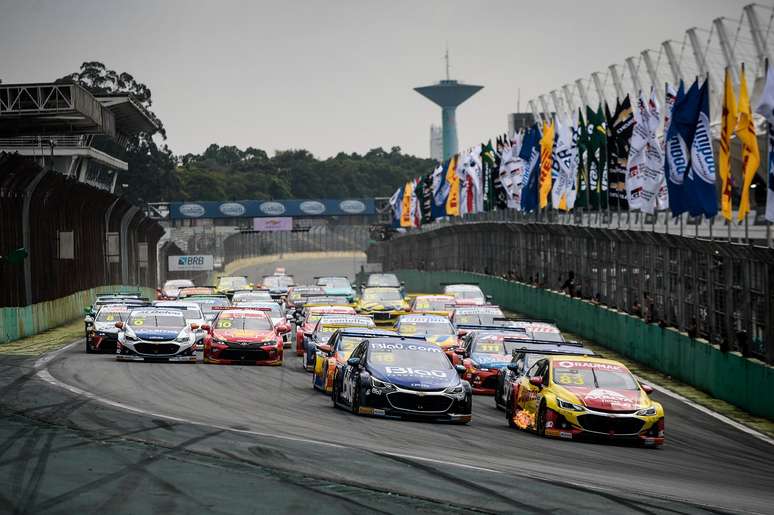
526 319
246 308
460 282
575 351
473 327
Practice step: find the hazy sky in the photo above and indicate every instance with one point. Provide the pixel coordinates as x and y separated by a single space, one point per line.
332 75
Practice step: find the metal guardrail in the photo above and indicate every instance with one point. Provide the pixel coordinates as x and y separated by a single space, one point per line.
718 290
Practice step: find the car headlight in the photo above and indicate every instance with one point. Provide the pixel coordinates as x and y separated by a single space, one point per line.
455 390
569 405
268 342
130 337
182 338
381 386
218 341
647 412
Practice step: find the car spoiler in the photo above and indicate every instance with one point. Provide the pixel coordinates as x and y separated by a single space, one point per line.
460 282
226 308
577 351
526 319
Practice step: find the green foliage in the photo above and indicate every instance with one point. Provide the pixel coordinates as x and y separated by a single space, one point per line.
230 173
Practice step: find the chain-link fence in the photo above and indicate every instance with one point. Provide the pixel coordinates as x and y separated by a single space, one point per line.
716 290
77 236
324 237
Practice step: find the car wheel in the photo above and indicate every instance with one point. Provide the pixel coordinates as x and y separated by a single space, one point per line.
509 414
335 391
356 399
498 396
541 420
89 348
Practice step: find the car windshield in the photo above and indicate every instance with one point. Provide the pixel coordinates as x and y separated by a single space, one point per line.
586 374
334 282
383 280
272 309
382 295
434 305
277 281
232 282
178 283
474 319
552 335
208 305
111 316
348 343
494 345
402 355
467 294
252 296
143 320
255 322
427 328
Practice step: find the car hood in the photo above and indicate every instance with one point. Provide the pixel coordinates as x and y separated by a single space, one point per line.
443 341
156 334
608 399
105 327
338 291
384 306
415 378
487 360
243 335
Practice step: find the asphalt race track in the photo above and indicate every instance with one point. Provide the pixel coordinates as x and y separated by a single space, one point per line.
229 439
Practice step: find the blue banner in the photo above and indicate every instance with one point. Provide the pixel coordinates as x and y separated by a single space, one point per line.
264 208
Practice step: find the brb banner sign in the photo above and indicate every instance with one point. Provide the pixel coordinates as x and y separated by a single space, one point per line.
200 263
271 208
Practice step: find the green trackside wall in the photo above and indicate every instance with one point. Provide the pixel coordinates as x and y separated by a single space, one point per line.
18 322
744 382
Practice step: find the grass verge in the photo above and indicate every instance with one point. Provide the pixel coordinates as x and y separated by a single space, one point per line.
46 341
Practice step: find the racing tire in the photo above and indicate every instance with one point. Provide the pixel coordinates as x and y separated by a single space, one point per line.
509 414
497 396
335 391
356 399
89 350
540 423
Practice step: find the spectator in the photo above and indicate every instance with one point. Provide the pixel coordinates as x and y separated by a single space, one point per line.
568 286
693 329
636 309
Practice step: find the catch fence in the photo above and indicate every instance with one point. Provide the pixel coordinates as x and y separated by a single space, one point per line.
717 290
77 236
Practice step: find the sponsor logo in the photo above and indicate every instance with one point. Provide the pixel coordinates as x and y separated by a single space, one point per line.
352 206
312 207
272 208
587 364
192 210
565 434
232 209
410 371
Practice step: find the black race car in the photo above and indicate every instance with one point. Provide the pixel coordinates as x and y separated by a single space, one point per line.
397 377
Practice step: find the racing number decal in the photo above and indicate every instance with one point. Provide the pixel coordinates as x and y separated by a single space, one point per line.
224 324
489 347
570 379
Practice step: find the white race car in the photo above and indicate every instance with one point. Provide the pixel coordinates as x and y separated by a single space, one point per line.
156 334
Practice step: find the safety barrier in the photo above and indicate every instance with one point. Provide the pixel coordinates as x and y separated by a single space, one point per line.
729 376
19 322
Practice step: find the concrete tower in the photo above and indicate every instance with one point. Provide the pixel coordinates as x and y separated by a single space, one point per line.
448 94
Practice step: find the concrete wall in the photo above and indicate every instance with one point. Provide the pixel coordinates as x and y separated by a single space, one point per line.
18 322
746 383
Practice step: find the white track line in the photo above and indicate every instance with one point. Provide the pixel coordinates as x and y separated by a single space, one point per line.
714 414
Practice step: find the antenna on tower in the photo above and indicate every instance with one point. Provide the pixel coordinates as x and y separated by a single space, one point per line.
446 56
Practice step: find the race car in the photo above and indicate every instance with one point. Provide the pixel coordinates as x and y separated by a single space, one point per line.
102 333
466 294
250 296
396 377
102 299
337 286
277 314
526 354
485 353
435 329
277 285
196 290
328 300
297 295
433 305
209 303
383 280
325 327
540 330
156 334
582 396
280 270
476 315
384 304
309 319
337 350
192 313
241 335
227 285
171 289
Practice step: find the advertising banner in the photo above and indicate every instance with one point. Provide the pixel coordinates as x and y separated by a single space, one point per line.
199 263
271 208
279 223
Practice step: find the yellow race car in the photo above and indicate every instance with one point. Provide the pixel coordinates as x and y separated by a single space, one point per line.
433 328
582 396
227 285
433 305
384 304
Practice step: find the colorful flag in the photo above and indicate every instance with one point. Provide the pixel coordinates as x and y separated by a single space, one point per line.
530 153
645 167
453 199
583 176
700 183
566 163
751 157
396 204
470 178
678 140
621 130
512 172
546 163
765 107
440 191
407 205
596 156
489 173
727 126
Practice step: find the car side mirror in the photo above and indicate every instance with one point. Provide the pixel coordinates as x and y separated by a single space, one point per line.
536 381
403 283
283 328
119 325
460 369
489 298
89 320
459 350
647 388
194 326
462 332
353 362
205 327
324 347
513 367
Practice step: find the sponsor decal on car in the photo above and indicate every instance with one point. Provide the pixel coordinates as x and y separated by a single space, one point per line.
418 372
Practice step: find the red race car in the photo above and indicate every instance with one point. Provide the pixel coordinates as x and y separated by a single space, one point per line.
311 315
485 353
244 336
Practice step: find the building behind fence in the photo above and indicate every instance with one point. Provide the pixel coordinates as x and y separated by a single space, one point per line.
716 290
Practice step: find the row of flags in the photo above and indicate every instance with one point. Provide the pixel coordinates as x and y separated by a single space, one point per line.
605 160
